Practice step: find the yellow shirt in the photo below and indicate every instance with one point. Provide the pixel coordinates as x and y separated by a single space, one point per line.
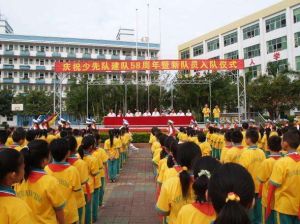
216 112
13 210
244 138
298 149
285 176
104 158
9 141
78 140
82 168
193 139
224 152
182 137
162 166
43 195
205 148
112 151
97 179
155 146
263 175
206 111
50 138
93 169
190 214
152 138
170 199
69 181
251 159
169 173
208 137
156 158
233 154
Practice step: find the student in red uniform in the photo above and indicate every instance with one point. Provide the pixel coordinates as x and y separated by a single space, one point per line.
38 189
201 211
177 191
13 210
231 190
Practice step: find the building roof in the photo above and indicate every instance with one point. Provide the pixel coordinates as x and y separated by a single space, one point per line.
282 5
74 41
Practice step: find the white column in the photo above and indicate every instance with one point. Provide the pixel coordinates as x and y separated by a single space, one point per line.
263 46
221 45
290 39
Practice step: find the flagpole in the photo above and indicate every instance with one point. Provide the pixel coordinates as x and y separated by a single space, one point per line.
136 53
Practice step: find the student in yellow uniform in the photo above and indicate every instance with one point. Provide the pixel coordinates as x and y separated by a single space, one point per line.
182 136
285 182
216 112
9 140
251 159
203 144
153 133
128 140
118 147
177 191
264 173
67 176
231 190
228 144
200 211
50 136
39 190
113 155
162 164
264 141
97 180
233 154
13 210
18 137
85 149
82 168
156 150
123 148
206 113
245 127
104 158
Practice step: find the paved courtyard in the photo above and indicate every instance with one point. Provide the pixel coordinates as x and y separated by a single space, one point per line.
131 199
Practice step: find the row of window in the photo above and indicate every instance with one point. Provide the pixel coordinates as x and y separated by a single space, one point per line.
60 49
25 88
274 45
248 32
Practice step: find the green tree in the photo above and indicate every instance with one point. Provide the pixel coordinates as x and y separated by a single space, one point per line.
5 105
35 102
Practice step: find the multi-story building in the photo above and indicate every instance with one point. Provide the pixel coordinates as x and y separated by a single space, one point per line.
27 62
267 36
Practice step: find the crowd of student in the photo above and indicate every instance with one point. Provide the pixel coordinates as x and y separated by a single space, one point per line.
231 175
48 177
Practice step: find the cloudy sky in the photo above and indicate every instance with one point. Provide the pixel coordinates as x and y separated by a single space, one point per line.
181 20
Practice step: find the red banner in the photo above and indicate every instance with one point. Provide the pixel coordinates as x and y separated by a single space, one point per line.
95 66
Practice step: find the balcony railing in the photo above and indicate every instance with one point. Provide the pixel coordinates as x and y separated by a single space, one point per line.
25 67
71 55
8 52
24 80
56 54
40 67
40 54
24 53
8 80
40 81
86 56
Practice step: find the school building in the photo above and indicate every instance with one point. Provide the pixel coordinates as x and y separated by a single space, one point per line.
269 35
27 61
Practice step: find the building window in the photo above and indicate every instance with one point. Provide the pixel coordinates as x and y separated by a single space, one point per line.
298 63
252 51
230 39
232 55
282 65
297 39
198 50
297 15
277 44
185 54
251 31
213 45
253 71
216 57
275 23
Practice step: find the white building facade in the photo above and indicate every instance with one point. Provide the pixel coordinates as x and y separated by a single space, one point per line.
272 34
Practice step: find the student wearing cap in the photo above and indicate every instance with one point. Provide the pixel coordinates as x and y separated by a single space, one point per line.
171 128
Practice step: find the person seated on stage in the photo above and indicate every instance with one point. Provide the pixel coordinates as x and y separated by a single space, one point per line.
147 113
155 113
120 114
129 114
180 113
111 113
137 113
188 113
173 113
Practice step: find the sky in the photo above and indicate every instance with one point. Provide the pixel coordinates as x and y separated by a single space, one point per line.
181 20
